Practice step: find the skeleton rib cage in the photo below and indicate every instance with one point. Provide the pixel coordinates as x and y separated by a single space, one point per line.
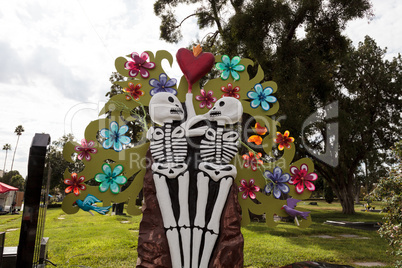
219 146
168 145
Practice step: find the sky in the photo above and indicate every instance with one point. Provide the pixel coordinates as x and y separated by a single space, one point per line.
56 58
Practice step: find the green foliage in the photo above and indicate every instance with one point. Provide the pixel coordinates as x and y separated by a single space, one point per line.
7 176
389 190
18 181
367 89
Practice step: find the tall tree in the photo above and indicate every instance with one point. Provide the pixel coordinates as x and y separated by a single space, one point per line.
301 46
6 147
18 181
7 178
18 130
368 89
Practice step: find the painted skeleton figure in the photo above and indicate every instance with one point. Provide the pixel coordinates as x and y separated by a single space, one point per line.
214 175
168 147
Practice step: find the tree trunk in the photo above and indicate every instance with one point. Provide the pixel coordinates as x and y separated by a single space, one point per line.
12 163
357 194
5 160
346 198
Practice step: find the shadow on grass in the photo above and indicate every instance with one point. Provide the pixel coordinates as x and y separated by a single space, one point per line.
286 243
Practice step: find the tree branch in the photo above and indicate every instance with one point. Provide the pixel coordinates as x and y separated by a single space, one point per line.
177 26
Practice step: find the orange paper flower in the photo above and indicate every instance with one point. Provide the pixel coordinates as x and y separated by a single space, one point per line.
256 139
259 129
252 160
133 91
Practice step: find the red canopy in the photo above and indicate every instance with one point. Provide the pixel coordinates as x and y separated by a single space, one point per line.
4 188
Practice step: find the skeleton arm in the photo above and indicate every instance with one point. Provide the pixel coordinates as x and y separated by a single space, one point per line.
150 132
192 119
189 106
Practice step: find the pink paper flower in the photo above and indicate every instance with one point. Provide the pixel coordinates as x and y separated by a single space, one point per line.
248 188
206 99
75 184
302 178
86 149
230 91
139 65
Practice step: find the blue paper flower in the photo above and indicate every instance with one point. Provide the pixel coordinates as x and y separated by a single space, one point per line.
230 67
110 179
261 97
163 85
278 182
115 136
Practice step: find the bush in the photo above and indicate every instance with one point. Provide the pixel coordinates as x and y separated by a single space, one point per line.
389 190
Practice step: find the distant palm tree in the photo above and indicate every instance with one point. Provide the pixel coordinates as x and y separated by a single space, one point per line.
6 147
18 131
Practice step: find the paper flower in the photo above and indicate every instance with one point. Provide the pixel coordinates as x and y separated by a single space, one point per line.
248 188
110 179
230 67
252 160
283 140
133 91
261 97
75 184
206 99
260 131
255 139
115 136
302 178
230 91
278 182
163 85
139 65
85 150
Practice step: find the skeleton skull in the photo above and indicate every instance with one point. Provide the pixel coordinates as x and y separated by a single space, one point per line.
165 108
217 172
227 110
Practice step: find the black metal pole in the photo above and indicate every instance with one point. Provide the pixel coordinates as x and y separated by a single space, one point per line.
29 224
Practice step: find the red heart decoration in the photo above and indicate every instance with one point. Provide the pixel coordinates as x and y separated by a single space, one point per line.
193 67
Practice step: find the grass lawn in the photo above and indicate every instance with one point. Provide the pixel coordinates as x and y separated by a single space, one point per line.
111 241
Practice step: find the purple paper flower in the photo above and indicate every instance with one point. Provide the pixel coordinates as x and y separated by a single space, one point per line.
163 85
278 182
206 99
139 65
